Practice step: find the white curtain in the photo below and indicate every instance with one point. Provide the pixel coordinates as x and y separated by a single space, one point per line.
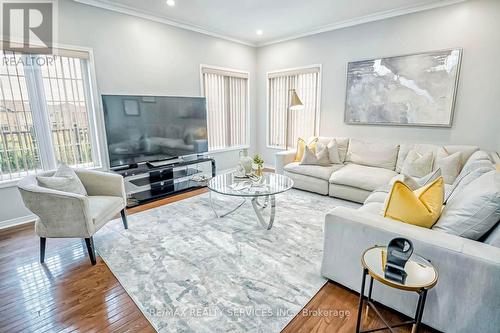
227 108
285 125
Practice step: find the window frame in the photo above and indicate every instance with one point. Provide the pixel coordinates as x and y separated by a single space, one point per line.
96 119
318 111
247 125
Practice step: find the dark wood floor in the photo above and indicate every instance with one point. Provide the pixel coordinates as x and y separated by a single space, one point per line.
67 294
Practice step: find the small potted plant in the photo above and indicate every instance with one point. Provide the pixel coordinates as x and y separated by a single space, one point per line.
258 162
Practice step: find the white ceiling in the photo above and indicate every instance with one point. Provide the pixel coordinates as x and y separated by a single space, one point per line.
238 20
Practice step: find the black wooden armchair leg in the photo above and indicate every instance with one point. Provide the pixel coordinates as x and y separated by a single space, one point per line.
124 218
43 241
90 248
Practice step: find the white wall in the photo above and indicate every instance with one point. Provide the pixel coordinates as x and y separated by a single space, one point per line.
472 25
136 56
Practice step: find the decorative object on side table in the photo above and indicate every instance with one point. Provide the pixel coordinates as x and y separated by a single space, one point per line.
399 252
421 276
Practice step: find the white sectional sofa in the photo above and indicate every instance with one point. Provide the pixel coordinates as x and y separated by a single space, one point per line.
467 295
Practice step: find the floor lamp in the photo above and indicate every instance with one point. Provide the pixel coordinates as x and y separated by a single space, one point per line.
295 105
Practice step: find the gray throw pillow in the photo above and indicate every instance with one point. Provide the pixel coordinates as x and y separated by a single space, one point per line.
65 179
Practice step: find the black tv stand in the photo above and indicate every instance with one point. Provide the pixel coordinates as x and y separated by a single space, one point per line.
145 182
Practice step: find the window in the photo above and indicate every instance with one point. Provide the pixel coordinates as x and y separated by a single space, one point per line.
45 113
285 126
227 107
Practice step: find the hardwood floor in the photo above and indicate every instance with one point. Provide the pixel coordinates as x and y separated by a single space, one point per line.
67 294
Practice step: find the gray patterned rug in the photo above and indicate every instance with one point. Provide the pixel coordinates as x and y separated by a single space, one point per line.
191 272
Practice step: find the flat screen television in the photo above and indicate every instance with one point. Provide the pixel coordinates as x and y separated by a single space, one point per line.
153 128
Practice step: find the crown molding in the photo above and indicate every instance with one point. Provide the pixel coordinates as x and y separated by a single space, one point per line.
123 9
365 19
128 10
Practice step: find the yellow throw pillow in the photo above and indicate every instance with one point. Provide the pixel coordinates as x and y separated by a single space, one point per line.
301 146
421 207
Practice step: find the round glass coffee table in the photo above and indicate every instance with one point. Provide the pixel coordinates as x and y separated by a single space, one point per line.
262 193
421 276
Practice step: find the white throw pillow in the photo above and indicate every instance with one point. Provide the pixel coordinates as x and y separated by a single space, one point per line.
470 171
474 210
417 164
333 152
318 157
65 180
450 166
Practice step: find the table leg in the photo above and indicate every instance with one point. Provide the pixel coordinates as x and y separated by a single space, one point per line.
226 213
370 288
361 297
420 310
259 208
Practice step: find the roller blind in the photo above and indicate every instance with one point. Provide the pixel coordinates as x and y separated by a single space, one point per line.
227 107
285 126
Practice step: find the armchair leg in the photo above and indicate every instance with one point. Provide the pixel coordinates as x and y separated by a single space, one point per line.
124 218
90 248
43 241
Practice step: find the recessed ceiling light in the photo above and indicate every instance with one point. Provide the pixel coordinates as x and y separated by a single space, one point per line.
259 32
171 3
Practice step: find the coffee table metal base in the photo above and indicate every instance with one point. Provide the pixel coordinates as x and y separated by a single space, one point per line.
258 206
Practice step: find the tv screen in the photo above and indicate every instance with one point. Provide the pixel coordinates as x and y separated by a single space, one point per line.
152 128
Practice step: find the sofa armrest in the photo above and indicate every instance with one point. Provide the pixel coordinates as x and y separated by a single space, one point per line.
469 271
283 158
102 183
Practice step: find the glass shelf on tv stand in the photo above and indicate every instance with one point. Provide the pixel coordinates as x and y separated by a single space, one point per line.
144 184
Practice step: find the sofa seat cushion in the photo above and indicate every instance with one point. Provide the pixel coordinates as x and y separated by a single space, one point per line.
102 208
376 208
363 177
316 171
377 197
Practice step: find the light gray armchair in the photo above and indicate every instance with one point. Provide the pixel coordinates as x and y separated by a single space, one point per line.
68 215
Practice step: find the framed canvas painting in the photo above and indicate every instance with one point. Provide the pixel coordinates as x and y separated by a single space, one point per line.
410 90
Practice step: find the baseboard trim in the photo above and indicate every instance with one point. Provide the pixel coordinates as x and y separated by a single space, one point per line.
17 221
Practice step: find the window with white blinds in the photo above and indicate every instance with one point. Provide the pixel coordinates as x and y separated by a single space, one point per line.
227 107
45 113
285 126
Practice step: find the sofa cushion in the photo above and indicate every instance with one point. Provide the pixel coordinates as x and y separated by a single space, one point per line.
417 164
373 208
363 177
380 155
405 148
376 197
465 151
316 171
421 207
64 179
475 210
342 143
475 171
493 236
318 156
308 183
450 166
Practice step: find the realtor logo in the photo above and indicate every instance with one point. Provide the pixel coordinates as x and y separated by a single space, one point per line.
28 26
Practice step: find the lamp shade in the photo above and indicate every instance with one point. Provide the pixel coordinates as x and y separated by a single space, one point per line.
295 102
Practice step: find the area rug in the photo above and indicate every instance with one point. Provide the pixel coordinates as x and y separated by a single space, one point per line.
189 271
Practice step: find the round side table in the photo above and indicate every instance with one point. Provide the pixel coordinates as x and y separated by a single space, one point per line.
422 276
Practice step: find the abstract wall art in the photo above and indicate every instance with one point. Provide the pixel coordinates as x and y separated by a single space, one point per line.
412 90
